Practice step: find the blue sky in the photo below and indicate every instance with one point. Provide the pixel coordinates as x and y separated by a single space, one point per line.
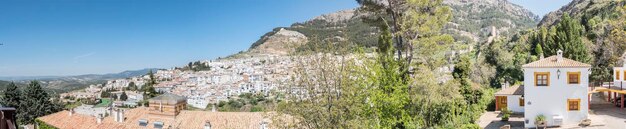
72 37
541 7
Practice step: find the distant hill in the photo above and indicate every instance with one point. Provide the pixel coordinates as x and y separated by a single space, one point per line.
471 24
69 83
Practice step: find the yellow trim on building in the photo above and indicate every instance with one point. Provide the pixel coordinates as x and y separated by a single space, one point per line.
573 73
547 77
569 101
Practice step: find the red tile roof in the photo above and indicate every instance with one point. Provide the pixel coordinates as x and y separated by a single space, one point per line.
551 62
185 120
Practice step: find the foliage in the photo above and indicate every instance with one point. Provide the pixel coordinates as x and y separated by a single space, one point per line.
106 93
12 96
246 102
148 88
44 125
123 97
36 103
197 66
539 118
132 86
506 113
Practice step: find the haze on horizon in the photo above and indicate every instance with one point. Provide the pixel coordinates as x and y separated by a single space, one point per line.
59 38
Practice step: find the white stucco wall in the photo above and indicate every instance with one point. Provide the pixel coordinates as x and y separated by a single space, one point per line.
621 81
552 100
513 103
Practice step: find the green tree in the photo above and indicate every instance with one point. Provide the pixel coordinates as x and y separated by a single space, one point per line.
148 88
539 50
36 103
12 96
132 86
123 97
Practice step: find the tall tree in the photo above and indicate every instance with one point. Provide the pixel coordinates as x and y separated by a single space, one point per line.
123 97
12 96
36 103
414 25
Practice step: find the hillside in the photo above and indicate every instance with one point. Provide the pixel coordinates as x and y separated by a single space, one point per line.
69 83
472 23
590 31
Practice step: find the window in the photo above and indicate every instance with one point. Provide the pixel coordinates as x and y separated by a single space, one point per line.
542 78
573 77
624 74
521 102
616 75
573 104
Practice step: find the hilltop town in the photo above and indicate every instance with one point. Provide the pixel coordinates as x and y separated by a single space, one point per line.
227 78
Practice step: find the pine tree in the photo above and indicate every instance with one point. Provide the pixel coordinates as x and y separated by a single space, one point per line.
123 97
12 96
36 103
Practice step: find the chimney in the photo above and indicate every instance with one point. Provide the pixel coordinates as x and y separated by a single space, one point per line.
120 116
99 118
559 56
115 114
213 109
207 125
263 125
71 111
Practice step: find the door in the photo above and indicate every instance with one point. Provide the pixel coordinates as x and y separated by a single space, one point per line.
501 101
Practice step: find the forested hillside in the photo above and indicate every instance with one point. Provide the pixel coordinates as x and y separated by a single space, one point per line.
471 24
590 31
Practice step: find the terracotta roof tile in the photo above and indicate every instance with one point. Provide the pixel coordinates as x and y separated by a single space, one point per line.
185 120
513 90
551 62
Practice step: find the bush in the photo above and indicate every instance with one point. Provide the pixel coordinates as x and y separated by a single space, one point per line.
506 113
256 109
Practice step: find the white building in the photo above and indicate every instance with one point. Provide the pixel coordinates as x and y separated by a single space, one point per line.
554 87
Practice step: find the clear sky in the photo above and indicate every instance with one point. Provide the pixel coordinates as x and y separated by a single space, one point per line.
541 7
71 37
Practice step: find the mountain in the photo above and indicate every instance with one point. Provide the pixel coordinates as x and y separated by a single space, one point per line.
584 10
68 83
472 23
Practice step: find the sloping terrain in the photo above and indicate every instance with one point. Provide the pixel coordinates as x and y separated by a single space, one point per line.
472 23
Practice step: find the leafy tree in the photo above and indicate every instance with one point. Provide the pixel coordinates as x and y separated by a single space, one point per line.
123 97
539 50
132 86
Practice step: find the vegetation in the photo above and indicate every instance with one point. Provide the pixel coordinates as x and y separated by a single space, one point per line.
148 88
197 66
506 113
246 102
123 96
31 102
346 89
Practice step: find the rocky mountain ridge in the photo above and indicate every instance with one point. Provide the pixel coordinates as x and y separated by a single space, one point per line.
472 24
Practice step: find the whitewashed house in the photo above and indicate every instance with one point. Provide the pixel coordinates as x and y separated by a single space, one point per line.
554 87
510 98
